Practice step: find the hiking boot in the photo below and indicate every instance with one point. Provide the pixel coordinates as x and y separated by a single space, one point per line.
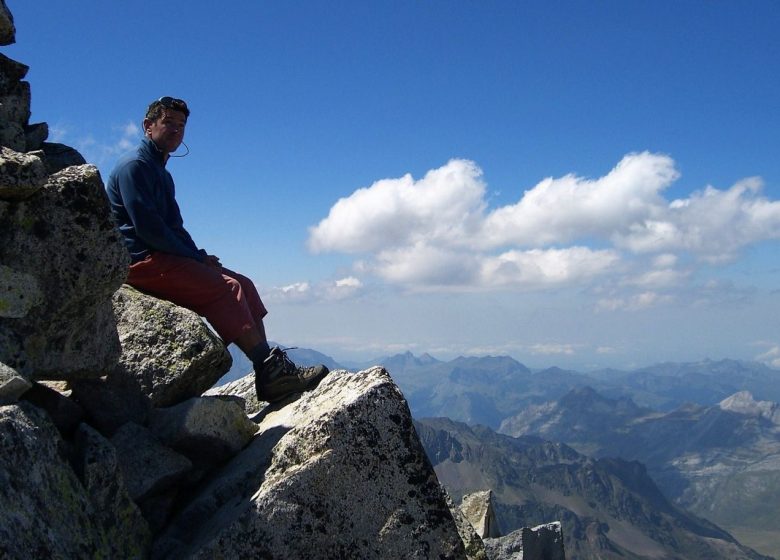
279 377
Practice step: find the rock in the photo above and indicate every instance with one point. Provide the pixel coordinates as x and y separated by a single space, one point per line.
148 467
15 104
64 238
45 513
110 406
21 175
157 509
744 403
35 135
338 473
12 385
127 533
12 136
475 548
7 29
11 72
544 542
19 292
63 412
60 156
206 430
243 389
478 509
168 349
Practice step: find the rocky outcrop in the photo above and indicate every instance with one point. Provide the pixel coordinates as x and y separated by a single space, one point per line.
12 385
744 403
337 473
21 175
166 350
544 542
242 389
48 511
478 509
7 29
60 255
475 548
206 430
61 258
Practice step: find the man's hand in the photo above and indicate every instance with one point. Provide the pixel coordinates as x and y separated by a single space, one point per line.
212 261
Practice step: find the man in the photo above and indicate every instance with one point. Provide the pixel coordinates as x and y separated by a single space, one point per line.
167 264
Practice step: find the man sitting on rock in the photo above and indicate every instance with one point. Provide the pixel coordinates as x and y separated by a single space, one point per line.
167 264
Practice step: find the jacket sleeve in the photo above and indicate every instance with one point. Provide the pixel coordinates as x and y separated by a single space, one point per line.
137 186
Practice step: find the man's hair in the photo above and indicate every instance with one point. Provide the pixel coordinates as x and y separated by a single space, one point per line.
158 107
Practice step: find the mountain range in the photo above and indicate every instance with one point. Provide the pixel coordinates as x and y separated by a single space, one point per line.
721 462
706 431
610 508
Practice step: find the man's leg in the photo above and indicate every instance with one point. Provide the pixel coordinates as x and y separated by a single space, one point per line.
252 342
230 303
203 289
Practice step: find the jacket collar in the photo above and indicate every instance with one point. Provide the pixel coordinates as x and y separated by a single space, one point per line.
150 150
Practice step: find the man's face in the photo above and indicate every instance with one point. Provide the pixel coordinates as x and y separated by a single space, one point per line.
167 132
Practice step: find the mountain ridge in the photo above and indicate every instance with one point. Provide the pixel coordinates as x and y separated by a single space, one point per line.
610 507
720 461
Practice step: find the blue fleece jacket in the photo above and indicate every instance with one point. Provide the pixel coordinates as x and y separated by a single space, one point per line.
143 204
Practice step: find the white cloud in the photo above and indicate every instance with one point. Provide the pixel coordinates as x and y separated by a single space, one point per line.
771 357
539 268
438 232
304 292
635 302
423 265
712 224
444 207
553 348
298 292
658 279
297 288
350 282
343 288
570 208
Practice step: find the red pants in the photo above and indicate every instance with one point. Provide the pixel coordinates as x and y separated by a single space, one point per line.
228 300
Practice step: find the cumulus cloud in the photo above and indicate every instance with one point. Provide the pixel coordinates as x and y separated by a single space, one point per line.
712 224
570 208
344 288
771 357
439 232
305 292
298 292
443 207
538 268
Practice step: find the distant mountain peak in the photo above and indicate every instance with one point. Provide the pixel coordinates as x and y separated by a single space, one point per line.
427 359
744 403
408 358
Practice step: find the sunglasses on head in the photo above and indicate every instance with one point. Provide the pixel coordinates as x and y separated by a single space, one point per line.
175 104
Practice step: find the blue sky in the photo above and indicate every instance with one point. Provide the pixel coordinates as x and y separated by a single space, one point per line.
583 184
